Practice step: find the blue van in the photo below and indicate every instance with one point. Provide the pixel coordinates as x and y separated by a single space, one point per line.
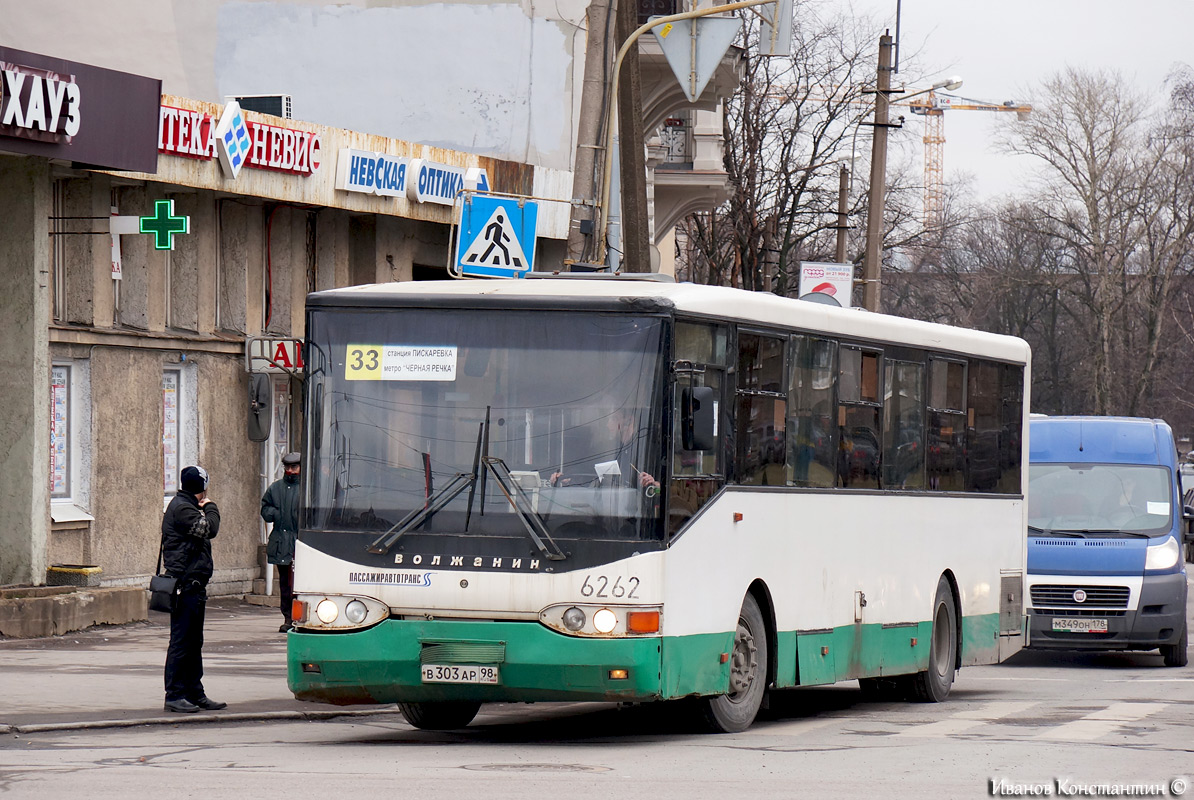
1105 532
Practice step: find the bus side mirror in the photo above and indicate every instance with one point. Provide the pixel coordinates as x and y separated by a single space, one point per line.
698 418
261 401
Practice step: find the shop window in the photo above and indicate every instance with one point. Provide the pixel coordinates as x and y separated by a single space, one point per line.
60 433
70 431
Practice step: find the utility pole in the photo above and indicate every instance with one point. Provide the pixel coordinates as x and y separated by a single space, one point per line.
636 256
871 275
589 134
843 190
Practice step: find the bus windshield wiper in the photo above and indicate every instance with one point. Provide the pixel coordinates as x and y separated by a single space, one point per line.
522 506
1115 531
414 519
1050 532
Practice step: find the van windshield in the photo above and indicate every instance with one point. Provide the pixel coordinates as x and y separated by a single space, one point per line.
1100 498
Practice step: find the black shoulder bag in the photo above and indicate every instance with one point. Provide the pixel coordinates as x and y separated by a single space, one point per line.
162 588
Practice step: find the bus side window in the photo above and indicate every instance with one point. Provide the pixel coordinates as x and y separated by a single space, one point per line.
858 418
984 418
904 426
812 413
697 474
760 412
945 438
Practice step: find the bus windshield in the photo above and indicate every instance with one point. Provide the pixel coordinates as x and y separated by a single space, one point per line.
1099 498
503 422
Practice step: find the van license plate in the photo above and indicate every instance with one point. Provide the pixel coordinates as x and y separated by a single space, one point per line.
1080 624
459 673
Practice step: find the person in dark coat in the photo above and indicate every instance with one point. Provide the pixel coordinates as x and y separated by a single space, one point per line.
191 521
280 505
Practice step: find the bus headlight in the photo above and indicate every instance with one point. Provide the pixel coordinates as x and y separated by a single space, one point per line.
574 619
604 621
1162 556
327 611
315 612
355 612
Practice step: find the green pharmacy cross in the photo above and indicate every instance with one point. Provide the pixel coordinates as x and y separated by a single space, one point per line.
163 224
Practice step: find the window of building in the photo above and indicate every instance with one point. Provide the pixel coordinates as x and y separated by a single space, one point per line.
761 411
171 440
60 433
70 436
58 251
812 428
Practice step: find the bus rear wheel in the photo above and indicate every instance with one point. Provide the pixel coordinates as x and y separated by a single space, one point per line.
933 685
1177 655
735 710
439 716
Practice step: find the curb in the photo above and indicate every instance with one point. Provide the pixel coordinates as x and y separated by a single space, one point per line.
192 719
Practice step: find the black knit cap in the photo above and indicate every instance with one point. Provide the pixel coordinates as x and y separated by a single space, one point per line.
193 479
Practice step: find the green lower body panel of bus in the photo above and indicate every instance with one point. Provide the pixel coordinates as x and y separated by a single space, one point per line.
384 664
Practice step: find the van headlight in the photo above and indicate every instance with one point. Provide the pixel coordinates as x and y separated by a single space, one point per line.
1162 556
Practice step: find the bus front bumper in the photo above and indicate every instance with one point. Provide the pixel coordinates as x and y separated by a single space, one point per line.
383 664
1158 619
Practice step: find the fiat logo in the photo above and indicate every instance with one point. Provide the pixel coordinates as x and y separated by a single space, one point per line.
1079 596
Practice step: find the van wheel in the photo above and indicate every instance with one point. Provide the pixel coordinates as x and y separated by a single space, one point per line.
1177 655
439 716
735 710
933 685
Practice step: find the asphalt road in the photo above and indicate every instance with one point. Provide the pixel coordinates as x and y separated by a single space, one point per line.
1092 722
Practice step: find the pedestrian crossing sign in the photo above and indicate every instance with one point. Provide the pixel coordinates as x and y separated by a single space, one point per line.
496 237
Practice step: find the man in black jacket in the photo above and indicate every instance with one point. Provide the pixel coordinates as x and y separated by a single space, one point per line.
280 505
190 523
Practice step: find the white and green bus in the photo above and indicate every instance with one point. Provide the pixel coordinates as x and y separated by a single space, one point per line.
609 489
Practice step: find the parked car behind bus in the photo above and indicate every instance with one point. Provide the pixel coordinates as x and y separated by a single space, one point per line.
1105 531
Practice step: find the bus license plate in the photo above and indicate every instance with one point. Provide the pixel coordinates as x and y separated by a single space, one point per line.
459 673
1080 624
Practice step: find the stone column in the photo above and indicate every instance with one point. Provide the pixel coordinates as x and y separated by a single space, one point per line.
24 369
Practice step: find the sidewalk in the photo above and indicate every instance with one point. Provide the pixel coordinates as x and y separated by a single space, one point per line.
111 676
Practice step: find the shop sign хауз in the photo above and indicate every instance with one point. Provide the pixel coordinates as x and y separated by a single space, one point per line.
193 134
90 116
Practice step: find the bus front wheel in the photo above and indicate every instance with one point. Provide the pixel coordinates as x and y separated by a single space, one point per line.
439 716
933 685
735 710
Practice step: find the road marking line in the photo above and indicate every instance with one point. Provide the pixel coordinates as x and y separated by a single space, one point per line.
965 720
797 727
1102 722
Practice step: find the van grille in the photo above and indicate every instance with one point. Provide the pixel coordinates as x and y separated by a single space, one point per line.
1062 596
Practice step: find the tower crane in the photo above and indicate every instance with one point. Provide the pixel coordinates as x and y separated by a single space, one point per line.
932 107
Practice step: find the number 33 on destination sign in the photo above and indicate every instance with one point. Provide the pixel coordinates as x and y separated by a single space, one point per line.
362 362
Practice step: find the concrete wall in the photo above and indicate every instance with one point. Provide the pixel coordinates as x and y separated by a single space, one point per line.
494 78
24 369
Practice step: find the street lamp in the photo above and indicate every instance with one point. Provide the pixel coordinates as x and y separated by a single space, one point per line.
874 218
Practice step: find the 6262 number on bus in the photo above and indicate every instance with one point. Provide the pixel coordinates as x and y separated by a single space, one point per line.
617 587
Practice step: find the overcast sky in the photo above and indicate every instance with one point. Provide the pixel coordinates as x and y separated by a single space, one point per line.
1001 49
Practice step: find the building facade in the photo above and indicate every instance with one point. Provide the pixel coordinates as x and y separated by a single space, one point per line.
123 362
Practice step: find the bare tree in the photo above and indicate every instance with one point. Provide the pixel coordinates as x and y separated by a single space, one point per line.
787 130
